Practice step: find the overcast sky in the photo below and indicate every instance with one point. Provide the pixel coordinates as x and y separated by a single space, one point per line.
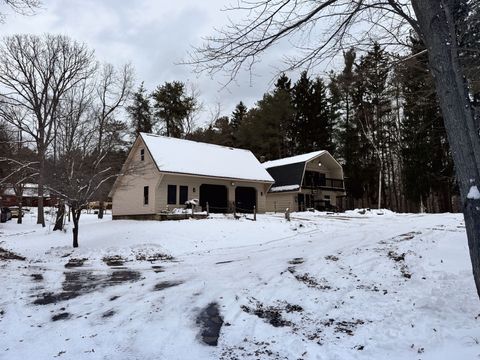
153 35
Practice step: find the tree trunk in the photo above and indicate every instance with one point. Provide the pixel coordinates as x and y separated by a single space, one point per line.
76 217
20 209
380 180
41 179
60 217
101 209
437 28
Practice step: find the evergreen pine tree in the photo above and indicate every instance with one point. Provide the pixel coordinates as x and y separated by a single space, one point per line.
238 115
427 165
300 127
173 106
140 112
372 106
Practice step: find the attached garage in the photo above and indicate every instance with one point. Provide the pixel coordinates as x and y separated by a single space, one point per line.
245 198
216 196
164 173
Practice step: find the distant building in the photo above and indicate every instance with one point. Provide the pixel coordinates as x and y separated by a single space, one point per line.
162 173
314 180
30 196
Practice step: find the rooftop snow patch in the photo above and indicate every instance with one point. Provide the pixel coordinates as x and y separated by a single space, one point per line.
196 158
284 188
293 159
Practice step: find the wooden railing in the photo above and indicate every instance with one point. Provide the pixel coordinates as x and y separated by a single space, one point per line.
328 183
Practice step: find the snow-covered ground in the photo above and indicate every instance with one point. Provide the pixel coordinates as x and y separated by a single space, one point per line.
347 286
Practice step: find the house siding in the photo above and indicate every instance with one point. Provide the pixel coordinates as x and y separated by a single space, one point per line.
127 198
279 202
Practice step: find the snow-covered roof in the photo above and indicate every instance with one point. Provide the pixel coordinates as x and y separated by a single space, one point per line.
196 158
293 159
284 188
29 190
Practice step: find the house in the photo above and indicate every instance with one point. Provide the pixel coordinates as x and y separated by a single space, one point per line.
313 180
163 173
29 196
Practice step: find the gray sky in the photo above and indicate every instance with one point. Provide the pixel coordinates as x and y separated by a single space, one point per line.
153 35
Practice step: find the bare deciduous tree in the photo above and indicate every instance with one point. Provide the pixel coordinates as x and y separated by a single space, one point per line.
113 90
321 28
23 7
89 132
35 73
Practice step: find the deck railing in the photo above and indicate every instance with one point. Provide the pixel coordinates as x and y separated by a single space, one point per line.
329 183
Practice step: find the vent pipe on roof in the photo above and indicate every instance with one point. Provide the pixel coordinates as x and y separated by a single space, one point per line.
262 159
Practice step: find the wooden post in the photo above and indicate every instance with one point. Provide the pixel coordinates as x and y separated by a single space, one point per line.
254 213
234 210
287 214
208 209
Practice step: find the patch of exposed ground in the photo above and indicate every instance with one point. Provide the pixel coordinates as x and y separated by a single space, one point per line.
153 257
210 321
310 281
400 259
251 349
344 326
108 314
296 261
74 262
37 277
408 236
166 284
331 258
272 314
114 260
158 269
8 255
78 283
61 316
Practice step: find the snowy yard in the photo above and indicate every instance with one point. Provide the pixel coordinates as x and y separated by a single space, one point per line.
346 286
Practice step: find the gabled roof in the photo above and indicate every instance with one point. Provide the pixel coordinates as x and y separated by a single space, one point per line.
293 159
288 172
196 158
287 175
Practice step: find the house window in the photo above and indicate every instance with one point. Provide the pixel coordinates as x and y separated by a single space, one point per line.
183 194
142 154
172 195
145 195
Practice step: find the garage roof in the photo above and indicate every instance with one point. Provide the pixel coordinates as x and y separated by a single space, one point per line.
197 158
